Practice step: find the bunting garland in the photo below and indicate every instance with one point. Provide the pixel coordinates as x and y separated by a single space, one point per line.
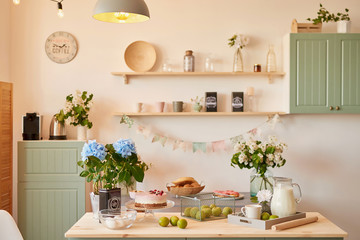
196 147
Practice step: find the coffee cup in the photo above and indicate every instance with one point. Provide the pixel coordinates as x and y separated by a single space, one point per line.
252 211
160 106
178 106
139 107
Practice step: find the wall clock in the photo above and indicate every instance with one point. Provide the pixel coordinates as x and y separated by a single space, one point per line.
61 47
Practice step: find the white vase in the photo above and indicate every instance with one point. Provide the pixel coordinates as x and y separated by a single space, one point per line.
95 205
81 133
343 26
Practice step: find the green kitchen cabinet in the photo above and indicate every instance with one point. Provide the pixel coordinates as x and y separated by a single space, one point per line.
51 194
324 73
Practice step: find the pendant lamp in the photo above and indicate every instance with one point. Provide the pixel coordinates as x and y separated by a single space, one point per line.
121 11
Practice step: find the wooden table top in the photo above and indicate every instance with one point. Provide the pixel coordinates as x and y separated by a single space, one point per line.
87 227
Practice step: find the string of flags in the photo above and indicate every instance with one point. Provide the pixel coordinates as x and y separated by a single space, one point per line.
204 147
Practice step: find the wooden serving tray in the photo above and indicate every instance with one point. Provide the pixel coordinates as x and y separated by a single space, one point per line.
239 219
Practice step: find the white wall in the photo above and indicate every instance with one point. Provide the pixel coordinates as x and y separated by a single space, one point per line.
4 41
322 154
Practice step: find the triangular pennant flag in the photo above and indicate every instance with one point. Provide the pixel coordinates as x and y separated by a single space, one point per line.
156 138
199 146
218 146
162 140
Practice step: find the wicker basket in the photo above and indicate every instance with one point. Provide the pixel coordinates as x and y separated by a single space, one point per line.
184 191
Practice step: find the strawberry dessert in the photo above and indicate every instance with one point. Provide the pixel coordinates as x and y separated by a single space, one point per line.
226 193
151 199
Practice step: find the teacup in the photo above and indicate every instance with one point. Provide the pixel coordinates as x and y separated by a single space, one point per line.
139 107
160 106
252 211
178 106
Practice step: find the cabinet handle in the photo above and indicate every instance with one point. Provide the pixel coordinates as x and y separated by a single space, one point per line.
331 108
337 108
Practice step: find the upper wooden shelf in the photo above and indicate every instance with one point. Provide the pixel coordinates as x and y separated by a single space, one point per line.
126 75
154 114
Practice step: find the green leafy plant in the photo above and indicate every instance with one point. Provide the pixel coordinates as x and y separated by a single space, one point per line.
325 16
238 40
111 165
77 109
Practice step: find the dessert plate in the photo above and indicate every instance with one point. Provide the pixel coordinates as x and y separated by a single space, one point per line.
131 205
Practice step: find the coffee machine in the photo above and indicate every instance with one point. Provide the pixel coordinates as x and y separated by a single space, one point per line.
31 126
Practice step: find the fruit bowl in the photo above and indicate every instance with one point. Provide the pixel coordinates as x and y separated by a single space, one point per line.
184 191
116 219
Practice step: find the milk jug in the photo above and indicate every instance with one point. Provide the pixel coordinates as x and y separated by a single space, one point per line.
283 202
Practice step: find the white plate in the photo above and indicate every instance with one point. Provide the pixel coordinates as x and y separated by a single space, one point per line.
131 205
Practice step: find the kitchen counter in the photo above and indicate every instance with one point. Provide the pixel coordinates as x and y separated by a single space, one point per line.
87 227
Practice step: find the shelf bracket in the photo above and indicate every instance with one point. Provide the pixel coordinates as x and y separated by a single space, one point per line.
270 79
125 78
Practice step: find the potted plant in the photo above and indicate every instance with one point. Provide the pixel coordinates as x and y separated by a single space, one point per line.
76 111
259 156
109 166
342 19
197 103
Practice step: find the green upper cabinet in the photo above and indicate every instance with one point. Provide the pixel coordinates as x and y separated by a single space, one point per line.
324 73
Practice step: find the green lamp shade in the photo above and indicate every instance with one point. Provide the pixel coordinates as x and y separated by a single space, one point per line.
121 11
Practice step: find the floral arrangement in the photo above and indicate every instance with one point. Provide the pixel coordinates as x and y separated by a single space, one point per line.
239 41
325 16
76 110
197 100
110 165
259 155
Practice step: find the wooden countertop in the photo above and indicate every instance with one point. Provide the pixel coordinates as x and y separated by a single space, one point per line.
87 227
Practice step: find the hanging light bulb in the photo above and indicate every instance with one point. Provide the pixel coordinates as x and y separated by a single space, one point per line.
60 10
16 2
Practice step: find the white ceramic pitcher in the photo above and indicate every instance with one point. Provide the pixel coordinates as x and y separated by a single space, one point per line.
283 202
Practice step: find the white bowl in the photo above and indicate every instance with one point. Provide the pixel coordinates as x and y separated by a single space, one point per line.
116 219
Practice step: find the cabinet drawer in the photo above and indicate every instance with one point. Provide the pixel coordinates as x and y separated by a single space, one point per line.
49 161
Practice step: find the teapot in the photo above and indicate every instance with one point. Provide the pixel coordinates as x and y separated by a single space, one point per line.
283 202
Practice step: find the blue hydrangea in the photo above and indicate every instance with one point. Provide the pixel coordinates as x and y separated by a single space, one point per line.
92 148
125 147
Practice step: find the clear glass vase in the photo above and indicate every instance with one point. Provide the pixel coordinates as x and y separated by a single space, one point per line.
238 61
257 182
271 60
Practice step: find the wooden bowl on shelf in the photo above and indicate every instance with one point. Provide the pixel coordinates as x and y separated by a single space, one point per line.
184 191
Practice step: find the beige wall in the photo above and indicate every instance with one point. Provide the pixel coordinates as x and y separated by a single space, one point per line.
322 154
5 41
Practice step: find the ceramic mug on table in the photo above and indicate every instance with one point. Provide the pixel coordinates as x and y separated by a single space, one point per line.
160 106
178 106
252 211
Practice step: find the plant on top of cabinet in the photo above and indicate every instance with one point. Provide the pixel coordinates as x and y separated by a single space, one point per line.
76 112
259 156
342 19
239 41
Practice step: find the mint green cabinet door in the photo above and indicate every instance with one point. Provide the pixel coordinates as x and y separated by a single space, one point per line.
312 73
349 73
48 209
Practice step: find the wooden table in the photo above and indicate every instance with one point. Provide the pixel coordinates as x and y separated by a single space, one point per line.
88 228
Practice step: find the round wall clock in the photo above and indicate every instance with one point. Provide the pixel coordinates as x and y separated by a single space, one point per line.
61 47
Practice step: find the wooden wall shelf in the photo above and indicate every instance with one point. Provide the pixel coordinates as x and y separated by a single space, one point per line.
195 114
127 75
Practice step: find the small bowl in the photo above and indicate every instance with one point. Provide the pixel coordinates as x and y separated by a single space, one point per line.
116 219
